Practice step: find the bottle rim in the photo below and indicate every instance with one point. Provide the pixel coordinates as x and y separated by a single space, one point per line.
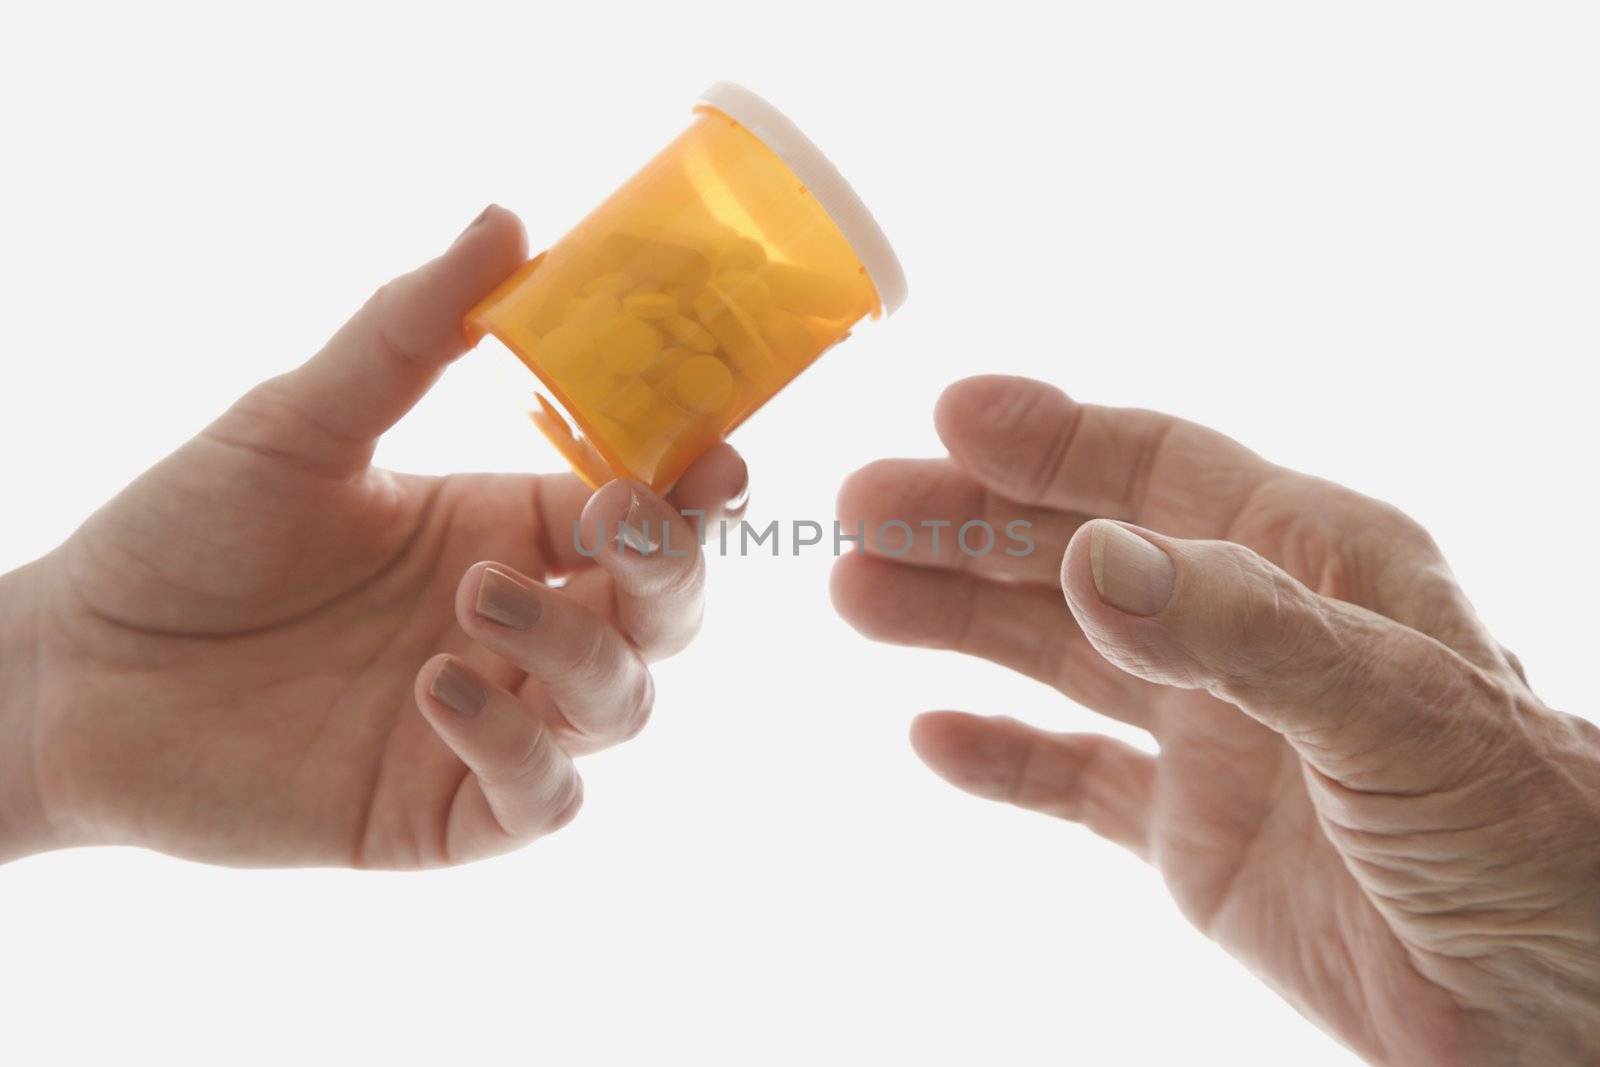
822 179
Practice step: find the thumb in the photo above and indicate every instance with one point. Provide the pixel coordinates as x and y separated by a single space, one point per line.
328 412
1365 700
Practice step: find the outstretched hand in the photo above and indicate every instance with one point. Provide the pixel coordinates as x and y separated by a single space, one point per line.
1356 792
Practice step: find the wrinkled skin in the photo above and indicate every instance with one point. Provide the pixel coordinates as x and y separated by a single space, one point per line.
1356 791
236 660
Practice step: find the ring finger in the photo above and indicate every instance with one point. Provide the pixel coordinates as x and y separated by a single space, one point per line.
583 678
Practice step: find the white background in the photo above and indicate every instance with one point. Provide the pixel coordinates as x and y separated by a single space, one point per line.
1361 237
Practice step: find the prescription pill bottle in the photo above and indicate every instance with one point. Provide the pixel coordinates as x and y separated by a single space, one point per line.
717 273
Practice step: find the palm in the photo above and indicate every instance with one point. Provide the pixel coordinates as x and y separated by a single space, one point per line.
292 615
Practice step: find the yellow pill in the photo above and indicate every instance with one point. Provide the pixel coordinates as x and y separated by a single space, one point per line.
616 283
626 344
630 401
657 260
736 332
703 384
742 253
746 289
788 335
565 347
592 310
684 295
649 305
668 216
809 292
666 363
690 334
592 388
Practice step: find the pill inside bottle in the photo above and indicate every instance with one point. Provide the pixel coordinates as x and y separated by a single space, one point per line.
692 295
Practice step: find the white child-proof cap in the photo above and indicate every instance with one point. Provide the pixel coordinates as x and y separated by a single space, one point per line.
823 180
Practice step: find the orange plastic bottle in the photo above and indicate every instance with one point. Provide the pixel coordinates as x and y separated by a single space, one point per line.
683 303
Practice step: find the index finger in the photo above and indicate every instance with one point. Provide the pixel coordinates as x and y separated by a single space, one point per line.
652 556
1030 442
716 484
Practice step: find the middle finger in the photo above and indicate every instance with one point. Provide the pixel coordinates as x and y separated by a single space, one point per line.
582 677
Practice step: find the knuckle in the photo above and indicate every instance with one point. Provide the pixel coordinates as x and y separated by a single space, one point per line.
1019 429
1022 785
1040 467
259 417
637 706
1389 523
1435 682
274 421
1151 448
664 644
683 578
1274 612
563 803
1515 663
861 488
591 657
547 787
524 767
1284 638
388 331
379 297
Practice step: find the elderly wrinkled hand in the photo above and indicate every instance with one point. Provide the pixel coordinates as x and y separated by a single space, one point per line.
1356 791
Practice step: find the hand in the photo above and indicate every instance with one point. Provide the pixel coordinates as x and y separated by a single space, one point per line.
223 663
1357 793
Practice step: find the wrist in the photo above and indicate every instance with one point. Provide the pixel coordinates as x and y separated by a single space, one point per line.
1560 940
24 827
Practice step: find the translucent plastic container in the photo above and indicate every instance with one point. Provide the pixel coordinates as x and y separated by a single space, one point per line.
721 270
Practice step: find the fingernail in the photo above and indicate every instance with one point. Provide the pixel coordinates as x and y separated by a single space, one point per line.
504 600
473 224
457 690
739 499
635 532
1130 573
